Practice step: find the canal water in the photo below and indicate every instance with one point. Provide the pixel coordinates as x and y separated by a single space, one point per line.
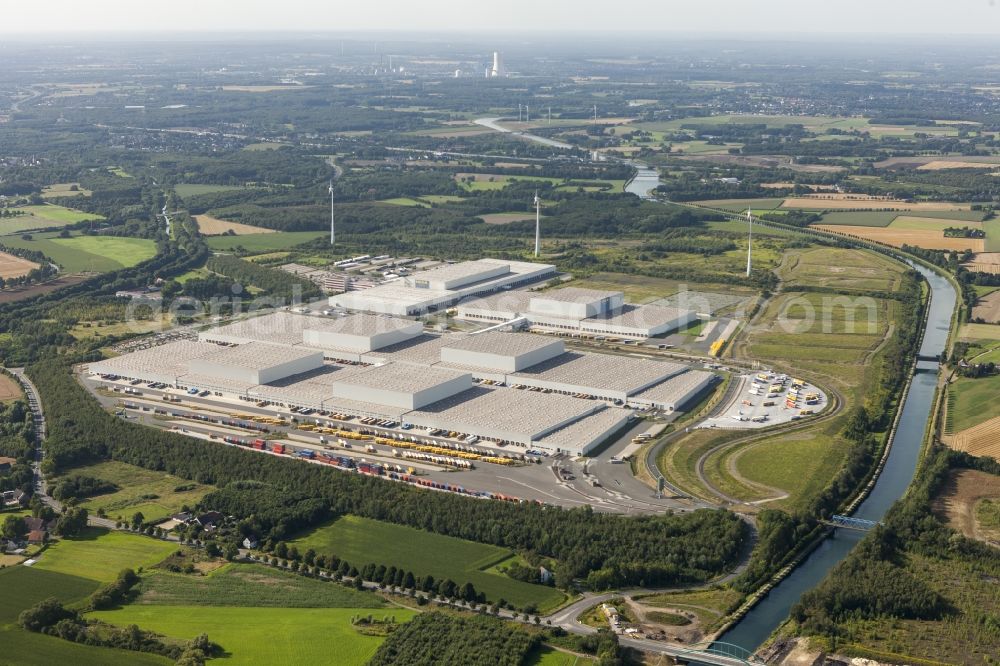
755 627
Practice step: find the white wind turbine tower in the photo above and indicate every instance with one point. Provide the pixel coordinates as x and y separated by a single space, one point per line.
538 223
749 240
333 237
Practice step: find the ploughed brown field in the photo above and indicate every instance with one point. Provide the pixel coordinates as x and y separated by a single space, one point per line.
13 266
929 239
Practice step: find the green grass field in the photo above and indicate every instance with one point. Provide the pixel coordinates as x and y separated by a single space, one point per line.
87 253
800 465
185 190
843 269
57 190
99 554
548 656
249 585
740 205
973 401
23 587
360 541
867 218
264 242
153 493
265 636
404 201
118 171
43 216
992 228
441 198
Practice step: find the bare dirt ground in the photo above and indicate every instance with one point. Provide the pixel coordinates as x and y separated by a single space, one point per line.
20 293
920 161
13 266
213 226
938 165
841 201
988 308
9 389
506 218
957 502
925 238
984 262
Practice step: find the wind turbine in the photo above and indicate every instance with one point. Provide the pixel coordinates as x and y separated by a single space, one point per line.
538 223
749 240
333 237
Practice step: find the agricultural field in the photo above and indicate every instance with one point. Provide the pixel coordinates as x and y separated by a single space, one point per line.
12 266
863 218
970 504
185 190
87 253
120 172
931 239
841 269
984 262
404 201
987 308
23 587
741 205
507 218
971 402
9 389
979 332
249 585
157 495
264 636
99 554
64 190
213 226
360 541
857 201
264 242
43 216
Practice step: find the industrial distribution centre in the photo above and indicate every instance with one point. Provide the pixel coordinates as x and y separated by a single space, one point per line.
499 387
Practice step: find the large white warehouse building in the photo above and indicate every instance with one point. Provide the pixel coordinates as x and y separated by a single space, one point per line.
579 311
443 286
370 365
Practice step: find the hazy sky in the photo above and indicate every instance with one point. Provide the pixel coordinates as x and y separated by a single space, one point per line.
747 16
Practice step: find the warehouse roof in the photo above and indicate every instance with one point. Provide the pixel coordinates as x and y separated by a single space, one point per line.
360 324
639 316
277 327
576 295
170 359
516 300
402 377
256 355
503 410
460 270
423 349
601 371
195 379
674 389
498 342
586 429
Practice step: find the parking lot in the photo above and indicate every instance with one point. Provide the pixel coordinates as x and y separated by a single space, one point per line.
604 482
765 399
